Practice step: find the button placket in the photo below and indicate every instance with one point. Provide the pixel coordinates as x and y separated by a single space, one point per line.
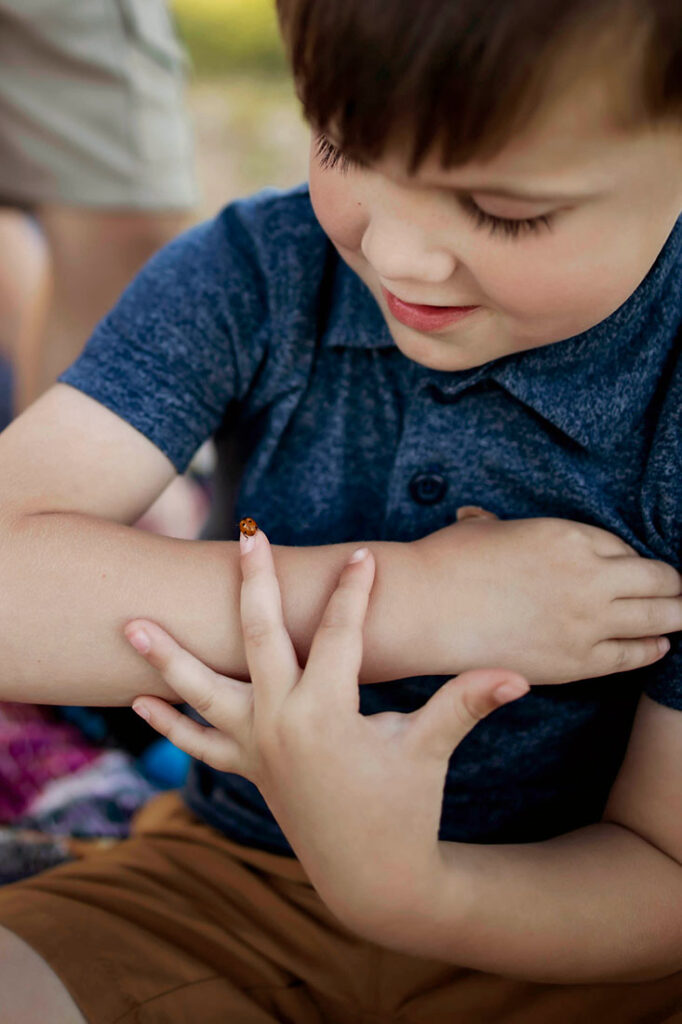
420 478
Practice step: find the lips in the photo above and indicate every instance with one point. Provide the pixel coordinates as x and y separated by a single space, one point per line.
425 318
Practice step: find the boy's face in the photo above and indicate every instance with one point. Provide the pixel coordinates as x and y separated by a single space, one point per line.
610 196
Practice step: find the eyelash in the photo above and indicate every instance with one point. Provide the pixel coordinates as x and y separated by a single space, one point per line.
331 158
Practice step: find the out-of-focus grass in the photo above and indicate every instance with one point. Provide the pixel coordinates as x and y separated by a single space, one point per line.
247 121
229 35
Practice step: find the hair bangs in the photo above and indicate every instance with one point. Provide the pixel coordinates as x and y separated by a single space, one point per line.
461 76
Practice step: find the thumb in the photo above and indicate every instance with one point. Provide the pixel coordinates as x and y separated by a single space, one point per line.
453 711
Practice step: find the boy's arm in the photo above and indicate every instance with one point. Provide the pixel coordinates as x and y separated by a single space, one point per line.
601 904
73 573
540 596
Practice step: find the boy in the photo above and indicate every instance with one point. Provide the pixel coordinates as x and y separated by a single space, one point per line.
372 402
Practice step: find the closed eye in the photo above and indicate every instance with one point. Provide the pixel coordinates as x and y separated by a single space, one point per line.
330 157
512 228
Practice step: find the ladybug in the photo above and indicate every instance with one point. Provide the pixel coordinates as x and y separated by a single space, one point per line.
248 526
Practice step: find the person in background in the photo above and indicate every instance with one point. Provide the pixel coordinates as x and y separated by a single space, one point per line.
96 174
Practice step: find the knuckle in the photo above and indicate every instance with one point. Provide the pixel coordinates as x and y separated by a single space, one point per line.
257 631
162 659
217 761
622 657
176 734
332 622
204 702
253 570
650 652
663 577
651 617
466 708
339 613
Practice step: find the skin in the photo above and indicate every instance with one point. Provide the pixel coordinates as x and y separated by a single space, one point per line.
327 772
414 235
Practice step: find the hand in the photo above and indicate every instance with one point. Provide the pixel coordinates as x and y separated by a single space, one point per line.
552 599
358 797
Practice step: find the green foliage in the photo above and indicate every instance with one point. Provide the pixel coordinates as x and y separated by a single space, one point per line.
227 35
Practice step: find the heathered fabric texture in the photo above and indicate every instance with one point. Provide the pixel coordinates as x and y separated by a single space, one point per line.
250 328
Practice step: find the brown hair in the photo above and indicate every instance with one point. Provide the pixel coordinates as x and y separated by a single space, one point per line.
469 73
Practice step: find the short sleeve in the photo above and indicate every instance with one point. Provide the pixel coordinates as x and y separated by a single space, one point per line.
661 503
186 338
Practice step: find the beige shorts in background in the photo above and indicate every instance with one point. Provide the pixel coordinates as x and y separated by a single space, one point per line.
179 925
91 106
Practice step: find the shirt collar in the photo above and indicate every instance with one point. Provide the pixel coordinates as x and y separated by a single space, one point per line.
594 387
354 319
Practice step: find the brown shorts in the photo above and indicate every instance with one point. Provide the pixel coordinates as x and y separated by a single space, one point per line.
177 925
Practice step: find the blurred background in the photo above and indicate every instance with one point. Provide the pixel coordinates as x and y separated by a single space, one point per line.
249 131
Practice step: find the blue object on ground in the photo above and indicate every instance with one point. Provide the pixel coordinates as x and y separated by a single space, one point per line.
164 764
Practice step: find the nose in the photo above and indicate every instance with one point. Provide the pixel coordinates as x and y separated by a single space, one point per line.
397 251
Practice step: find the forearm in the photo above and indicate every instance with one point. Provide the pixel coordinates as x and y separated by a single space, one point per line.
596 905
70 582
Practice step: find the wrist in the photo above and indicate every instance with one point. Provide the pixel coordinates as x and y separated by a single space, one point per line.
439 600
405 624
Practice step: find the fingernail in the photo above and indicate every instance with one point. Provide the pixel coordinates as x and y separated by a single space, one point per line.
663 644
142 711
246 543
358 556
510 691
139 640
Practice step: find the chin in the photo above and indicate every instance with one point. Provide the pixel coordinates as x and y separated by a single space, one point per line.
438 355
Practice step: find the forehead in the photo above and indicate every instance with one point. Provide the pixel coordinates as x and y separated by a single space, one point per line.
576 142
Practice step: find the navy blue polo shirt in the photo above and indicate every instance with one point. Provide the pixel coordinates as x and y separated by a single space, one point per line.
251 329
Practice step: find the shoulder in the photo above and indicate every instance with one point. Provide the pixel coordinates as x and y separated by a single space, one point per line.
240 270
279 226
660 495
278 231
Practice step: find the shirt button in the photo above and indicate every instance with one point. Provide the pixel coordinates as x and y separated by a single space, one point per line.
428 488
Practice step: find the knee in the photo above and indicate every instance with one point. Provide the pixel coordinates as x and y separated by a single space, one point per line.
94 253
137 236
31 991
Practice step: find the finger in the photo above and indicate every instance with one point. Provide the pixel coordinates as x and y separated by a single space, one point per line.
646 617
625 655
270 654
453 711
336 651
474 512
224 702
200 741
632 576
607 545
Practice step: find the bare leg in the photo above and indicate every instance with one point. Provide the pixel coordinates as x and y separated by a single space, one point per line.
24 295
94 254
31 991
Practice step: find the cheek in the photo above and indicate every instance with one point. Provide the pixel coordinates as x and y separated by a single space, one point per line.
339 207
562 287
